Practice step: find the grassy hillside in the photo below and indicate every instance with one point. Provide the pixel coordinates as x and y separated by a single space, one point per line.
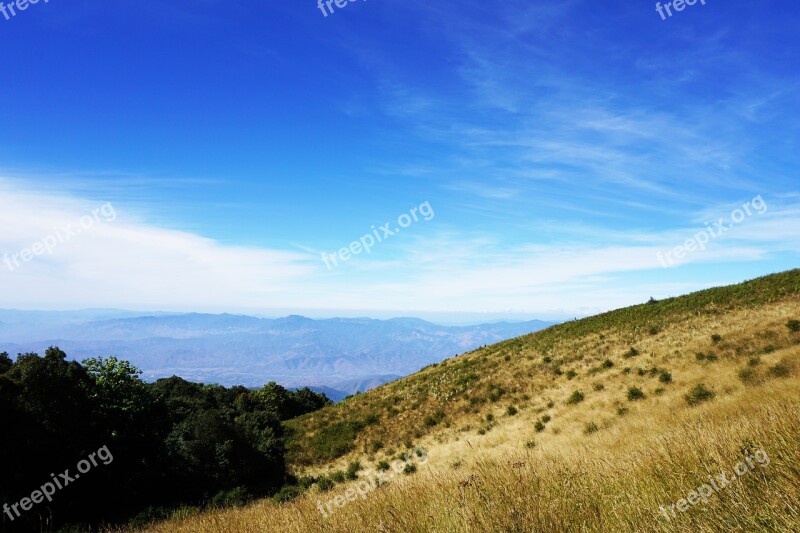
590 425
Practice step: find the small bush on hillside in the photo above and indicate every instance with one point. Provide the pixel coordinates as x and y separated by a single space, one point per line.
571 374
781 370
590 428
546 419
665 377
288 493
635 393
793 325
699 394
627 370
325 484
539 426
598 387
655 330
511 411
371 419
633 352
608 363
754 361
235 497
750 376
576 397
383 466
550 404
375 446
352 470
622 411
641 372
338 476
530 444
410 468
659 391
496 392
716 338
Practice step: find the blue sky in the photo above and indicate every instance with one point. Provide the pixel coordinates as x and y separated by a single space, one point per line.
561 145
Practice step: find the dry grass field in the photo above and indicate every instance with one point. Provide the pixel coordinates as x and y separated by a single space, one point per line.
611 423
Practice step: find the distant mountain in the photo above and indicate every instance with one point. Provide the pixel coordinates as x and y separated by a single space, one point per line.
341 355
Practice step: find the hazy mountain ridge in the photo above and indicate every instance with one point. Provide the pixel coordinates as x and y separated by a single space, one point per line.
343 354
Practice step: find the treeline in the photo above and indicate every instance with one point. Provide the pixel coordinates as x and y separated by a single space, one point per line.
174 443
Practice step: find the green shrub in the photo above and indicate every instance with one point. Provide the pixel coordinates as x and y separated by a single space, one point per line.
546 419
659 391
383 466
490 417
781 370
511 411
325 484
571 374
699 394
539 426
793 325
338 476
410 468
530 444
590 428
665 377
608 363
716 338
754 361
235 497
495 393
371 419
435 418
635 393
633 352
655 330
352 470
749 376
622 411
335 440
575 398
288 493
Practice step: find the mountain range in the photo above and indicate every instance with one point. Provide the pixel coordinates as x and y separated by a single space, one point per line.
338 356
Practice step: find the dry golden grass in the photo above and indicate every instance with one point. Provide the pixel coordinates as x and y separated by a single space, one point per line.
614 479
610 481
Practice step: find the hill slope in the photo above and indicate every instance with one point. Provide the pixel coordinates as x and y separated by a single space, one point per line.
603 424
